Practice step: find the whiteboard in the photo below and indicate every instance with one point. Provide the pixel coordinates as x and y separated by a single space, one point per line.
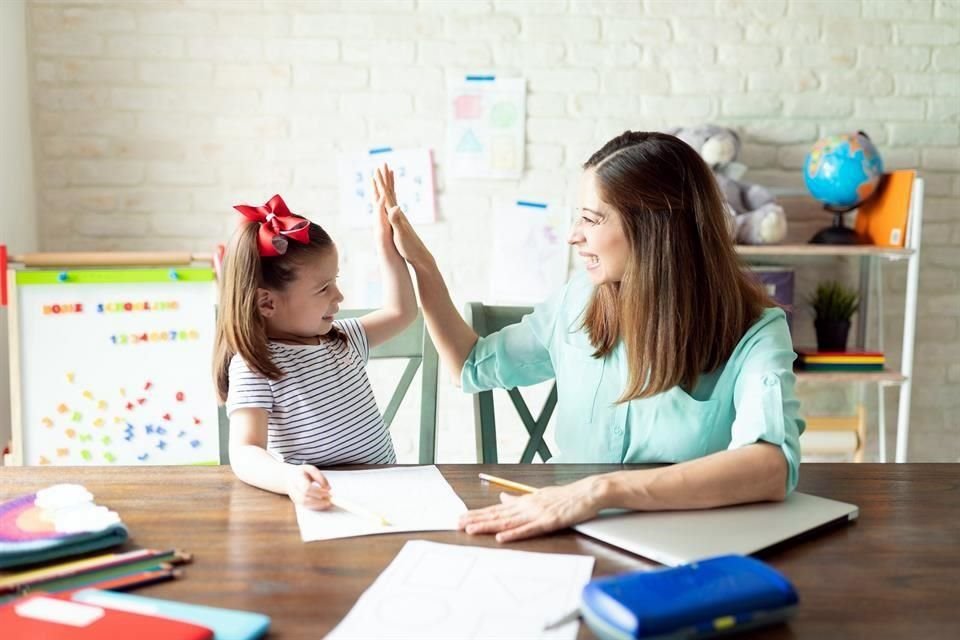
113 366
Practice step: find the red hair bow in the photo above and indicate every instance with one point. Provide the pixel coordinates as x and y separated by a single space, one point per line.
277 226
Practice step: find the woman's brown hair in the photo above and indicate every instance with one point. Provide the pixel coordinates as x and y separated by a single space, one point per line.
684 301
240 327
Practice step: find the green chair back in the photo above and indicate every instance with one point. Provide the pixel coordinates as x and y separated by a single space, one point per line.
415 345
487 319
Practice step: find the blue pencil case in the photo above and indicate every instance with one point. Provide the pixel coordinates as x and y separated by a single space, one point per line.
698 600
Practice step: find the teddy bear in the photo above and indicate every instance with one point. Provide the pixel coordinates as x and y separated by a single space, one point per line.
756 217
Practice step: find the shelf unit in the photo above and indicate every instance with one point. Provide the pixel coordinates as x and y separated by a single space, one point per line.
871 260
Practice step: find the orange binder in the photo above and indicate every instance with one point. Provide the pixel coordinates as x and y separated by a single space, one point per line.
883 219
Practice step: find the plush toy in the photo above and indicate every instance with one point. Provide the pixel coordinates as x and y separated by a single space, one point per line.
756 216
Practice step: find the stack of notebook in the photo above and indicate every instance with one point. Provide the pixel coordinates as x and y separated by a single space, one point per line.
812 360
51 587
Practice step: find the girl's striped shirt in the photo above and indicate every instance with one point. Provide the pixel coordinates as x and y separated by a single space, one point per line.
322 411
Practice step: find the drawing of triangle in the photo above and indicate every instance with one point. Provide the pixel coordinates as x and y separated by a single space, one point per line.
469 143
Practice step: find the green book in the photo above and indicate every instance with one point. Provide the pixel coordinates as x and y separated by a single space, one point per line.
808 366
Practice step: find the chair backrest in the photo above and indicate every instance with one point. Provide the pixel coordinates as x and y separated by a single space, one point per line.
415 345
487 319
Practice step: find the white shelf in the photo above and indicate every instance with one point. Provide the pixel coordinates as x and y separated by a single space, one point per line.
871 259
826 377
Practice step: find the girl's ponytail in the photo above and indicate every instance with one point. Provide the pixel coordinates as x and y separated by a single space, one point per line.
240 327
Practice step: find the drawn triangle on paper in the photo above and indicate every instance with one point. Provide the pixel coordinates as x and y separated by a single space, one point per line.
469 143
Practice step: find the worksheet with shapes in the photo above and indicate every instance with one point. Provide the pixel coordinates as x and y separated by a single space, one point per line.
434 590
485 126
407 498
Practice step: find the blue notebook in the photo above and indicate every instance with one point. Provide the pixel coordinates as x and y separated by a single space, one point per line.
226 624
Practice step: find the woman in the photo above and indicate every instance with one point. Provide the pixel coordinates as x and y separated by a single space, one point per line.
664 351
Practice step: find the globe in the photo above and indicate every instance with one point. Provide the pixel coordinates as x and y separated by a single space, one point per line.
843 170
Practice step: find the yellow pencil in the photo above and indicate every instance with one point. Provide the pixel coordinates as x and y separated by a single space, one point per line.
510 484
358 510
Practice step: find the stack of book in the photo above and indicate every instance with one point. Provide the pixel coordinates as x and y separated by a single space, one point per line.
52 588
812 360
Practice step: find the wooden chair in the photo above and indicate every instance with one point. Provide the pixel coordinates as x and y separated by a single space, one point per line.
487 319
415 345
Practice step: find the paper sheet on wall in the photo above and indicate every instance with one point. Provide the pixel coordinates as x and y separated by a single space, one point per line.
485 127
409 498
530 255
434 590
414 182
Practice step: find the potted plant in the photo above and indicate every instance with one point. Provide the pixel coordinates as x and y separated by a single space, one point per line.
833 305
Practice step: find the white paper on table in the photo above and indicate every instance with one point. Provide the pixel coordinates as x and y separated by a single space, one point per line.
530 256
434 590
410 498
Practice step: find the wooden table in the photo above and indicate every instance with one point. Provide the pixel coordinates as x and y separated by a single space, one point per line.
893 574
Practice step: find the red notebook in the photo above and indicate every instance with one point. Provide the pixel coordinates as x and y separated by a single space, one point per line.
59 618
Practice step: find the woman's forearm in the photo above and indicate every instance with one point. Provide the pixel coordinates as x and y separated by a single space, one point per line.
453 337
751 474
256 467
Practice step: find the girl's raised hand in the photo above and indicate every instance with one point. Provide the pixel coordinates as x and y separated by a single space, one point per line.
307 487
379 195
387 186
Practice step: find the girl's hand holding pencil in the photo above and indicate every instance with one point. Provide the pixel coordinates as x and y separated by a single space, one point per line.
307 487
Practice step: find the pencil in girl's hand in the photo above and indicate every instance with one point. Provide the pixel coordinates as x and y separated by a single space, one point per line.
358 510
509 484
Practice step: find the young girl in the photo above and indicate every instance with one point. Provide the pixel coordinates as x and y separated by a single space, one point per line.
292 376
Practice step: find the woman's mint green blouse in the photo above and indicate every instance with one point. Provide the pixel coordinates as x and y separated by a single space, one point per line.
750 399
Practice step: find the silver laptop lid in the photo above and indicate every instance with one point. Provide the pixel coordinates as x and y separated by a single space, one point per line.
678 537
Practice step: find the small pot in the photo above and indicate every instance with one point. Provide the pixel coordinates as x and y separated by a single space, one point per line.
832 334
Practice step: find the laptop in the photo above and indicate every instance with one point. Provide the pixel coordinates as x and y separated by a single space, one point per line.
680 537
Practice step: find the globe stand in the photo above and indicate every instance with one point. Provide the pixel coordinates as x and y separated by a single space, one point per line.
836 233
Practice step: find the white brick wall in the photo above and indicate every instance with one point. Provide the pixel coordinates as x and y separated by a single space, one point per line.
151 114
